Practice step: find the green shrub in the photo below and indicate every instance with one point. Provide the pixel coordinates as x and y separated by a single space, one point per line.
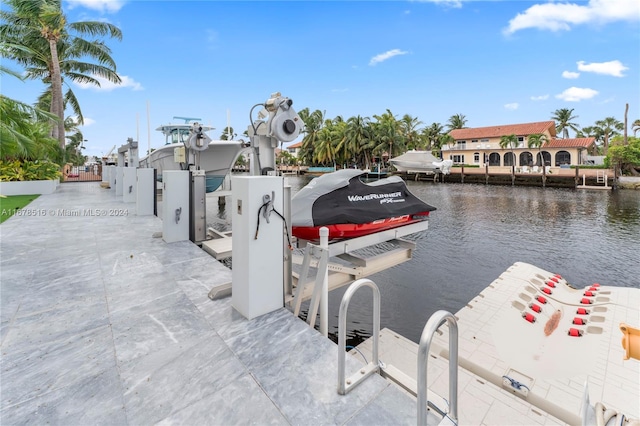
16 170
591 166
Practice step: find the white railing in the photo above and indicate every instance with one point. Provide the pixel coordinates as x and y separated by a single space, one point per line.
344 384
436 320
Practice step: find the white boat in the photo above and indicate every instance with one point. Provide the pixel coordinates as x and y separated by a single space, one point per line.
217 160
421 162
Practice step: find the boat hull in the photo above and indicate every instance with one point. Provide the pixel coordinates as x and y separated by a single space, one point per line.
216 161
354 230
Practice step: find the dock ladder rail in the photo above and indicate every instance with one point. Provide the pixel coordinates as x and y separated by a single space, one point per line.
345 385
430 328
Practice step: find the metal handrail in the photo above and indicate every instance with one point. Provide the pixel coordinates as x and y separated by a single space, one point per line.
345 385
436 320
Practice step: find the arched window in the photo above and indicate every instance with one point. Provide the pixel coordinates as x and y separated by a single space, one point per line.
494 159
563 157
526 159
546 156
509 158
476 157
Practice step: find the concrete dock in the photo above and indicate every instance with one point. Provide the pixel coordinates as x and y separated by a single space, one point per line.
101 323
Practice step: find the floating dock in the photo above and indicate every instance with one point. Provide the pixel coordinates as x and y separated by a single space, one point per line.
515 368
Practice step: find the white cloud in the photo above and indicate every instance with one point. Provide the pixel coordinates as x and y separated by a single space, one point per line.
577 94
512 106
386 55
540 98
562 16
107 86
613 68
88 121
570 74
108 6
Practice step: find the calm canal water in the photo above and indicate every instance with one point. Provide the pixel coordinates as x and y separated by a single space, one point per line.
478 231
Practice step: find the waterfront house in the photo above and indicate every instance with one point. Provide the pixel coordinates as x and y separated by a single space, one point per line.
294 149
481 146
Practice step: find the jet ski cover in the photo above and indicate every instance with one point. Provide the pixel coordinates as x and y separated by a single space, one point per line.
341 197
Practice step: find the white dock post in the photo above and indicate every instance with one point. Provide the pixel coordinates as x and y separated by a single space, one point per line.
257 275
118 179
111 170
129 187
324 297
145 192
175 205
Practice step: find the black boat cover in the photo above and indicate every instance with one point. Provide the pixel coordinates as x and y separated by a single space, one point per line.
341 197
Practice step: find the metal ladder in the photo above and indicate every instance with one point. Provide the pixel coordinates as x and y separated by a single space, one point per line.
345 385
435 321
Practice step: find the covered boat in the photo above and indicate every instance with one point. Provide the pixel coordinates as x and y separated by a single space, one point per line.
421 162
350 208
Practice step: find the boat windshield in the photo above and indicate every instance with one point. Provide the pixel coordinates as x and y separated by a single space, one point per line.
179 135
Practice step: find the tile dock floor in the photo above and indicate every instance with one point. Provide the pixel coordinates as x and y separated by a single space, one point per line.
100 323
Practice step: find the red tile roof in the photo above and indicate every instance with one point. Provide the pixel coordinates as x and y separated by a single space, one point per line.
524 129
295 145
570 143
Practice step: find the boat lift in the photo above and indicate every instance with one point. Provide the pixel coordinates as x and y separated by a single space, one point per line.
331 275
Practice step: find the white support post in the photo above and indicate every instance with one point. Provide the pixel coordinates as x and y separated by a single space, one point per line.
145 192
324 298
112 177
118 180
129 187
175 205
257 241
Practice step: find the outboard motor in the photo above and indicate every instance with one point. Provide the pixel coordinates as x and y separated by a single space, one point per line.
444 166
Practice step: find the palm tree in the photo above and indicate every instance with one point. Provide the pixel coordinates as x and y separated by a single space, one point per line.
358 137
510 141
537 141
433 134
457 121
388 135
609 127
228 134
313 122
41 26
591 132
635 126
563 117
324 149
447 139
22 129
409 127
339 140
23 133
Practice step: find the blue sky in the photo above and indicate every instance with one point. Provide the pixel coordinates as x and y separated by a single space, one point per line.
496 62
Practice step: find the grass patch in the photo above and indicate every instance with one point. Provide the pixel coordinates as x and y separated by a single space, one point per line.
9 205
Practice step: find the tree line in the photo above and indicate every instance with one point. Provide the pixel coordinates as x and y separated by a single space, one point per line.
359 140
